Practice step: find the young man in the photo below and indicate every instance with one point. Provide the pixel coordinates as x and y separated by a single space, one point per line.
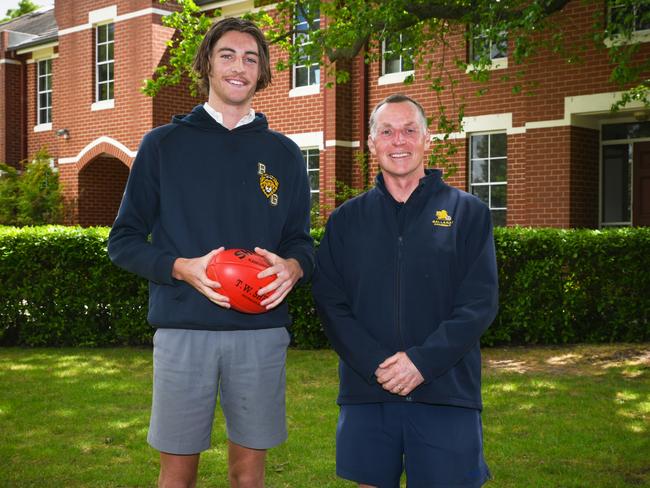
406 283
217 178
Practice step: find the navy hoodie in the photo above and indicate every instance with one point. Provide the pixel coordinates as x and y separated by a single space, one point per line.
420 278
195 186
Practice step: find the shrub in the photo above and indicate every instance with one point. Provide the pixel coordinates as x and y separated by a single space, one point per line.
556 286
33 196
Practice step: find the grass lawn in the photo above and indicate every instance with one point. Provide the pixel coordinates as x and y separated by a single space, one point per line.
576 416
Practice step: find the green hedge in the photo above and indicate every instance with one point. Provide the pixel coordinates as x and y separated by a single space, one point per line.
556 286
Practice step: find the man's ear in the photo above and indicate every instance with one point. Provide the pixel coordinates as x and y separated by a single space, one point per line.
371 146
427 140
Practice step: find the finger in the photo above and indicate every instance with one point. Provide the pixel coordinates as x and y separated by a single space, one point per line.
274 285
268 255
389 361
275 299
270 271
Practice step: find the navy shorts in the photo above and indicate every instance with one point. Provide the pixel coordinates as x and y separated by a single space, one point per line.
438 446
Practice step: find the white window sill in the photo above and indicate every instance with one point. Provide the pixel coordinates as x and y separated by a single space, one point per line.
496 63
391 78
43 127
301 91
637 37
103 105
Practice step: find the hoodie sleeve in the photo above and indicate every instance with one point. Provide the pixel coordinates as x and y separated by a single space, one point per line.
296 239
351 341
129 244
475 304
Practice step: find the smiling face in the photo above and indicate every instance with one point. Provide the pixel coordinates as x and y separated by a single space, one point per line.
234 70
399 141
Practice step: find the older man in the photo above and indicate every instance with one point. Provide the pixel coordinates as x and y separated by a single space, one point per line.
406 283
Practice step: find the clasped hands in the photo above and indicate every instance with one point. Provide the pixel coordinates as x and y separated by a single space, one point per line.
288 271
398 375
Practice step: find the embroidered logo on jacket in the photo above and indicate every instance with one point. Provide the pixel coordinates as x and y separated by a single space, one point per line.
443 219
268 183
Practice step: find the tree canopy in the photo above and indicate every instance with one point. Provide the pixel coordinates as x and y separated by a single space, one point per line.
24 7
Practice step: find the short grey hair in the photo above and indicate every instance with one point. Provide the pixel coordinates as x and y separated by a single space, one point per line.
397 98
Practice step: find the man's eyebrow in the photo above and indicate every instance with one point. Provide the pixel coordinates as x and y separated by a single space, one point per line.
229 49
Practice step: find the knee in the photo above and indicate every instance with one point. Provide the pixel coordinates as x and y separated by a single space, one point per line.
167 480
246 480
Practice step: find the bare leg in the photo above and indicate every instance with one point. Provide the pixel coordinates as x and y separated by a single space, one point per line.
178 471
245 466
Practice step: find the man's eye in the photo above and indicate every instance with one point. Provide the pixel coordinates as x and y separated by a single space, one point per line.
386 132
251 60
226 56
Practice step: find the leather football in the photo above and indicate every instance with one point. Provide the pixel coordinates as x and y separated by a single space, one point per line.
236 270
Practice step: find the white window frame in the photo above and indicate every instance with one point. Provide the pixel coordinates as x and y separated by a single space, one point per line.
307 153
110 81
308 89
47 123
489 183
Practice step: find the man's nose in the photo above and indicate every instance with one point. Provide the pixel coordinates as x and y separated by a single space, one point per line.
238 65
398 139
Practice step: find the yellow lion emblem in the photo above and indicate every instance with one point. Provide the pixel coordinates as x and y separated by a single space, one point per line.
442 215
269 185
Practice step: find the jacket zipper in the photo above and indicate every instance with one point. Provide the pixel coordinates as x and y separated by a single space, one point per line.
400 243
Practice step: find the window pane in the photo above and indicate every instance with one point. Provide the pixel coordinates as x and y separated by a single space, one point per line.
111 67
102 73
479 146
498 145
48 82
392 66
498 170
42 100
101 34
407 62
642 18
483 192
48 96
42 84
313 161
103 92
301 76
499 49
110 91
499 197
42 116
479 171
616 183
110 28
110 54
102 52
498 218
480 48
314 200
313 180
314 75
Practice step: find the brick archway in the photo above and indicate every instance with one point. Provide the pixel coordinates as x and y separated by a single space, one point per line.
94 181
101 184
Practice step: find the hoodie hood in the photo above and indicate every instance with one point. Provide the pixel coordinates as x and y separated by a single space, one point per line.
200 119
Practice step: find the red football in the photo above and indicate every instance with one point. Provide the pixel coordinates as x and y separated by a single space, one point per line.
236 270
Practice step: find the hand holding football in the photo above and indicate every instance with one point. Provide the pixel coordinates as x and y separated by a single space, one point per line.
237 270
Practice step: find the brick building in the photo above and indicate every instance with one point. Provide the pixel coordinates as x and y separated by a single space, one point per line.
70 80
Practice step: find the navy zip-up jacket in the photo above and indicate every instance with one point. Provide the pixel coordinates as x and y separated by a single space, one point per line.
195 186
420 278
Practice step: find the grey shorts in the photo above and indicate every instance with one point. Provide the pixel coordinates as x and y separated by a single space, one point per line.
247 370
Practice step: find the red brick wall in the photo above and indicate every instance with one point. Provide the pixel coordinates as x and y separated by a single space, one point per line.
12 110
584 177
101 185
